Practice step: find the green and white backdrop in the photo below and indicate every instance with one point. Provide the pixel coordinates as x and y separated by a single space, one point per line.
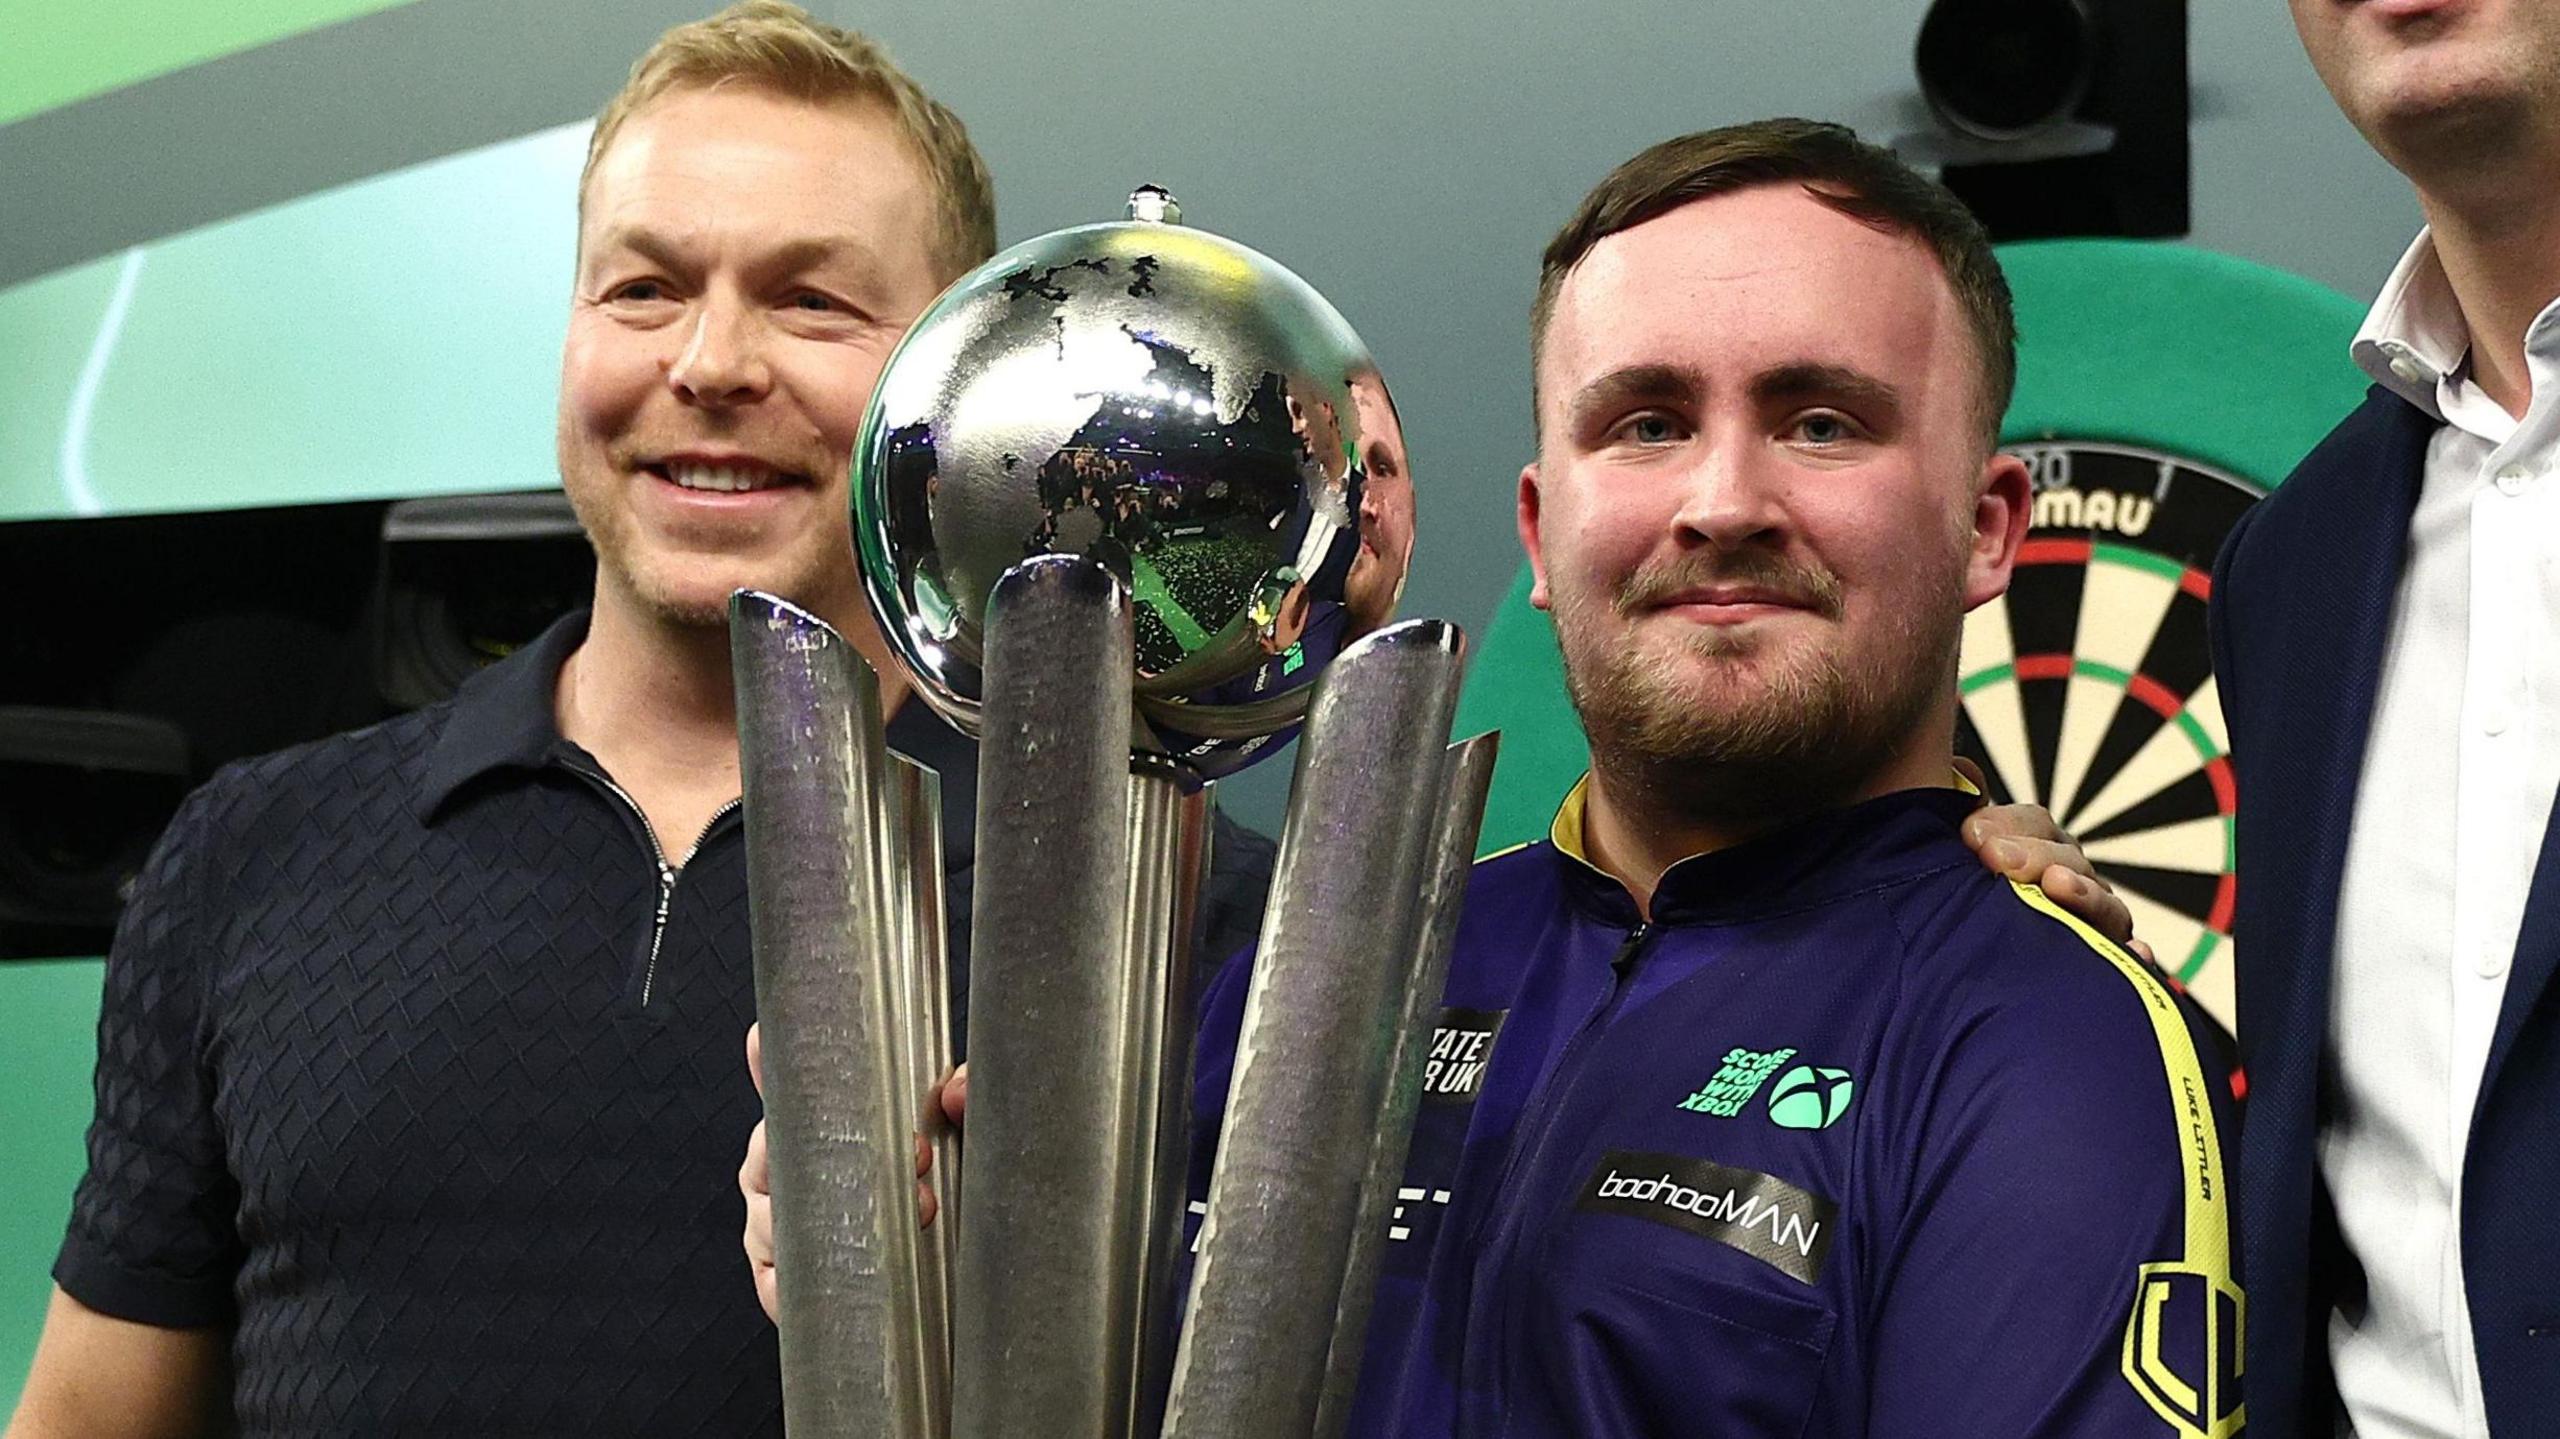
285 251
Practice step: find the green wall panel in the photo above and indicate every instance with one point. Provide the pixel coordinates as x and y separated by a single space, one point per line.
48 1042
59 53
2210 356
396 337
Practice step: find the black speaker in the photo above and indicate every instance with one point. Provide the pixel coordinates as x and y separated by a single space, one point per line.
2058 118
147 651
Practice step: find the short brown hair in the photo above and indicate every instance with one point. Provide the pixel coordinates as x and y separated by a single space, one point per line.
1865 182
777 46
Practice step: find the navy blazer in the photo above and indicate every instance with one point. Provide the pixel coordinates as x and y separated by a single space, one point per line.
2301 606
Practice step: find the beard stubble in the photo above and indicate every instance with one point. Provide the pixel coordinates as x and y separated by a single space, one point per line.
1734 730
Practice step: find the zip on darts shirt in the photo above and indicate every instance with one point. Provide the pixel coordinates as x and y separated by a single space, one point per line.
668 874
1538 1112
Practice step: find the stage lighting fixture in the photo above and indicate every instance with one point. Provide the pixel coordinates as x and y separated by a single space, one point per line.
2058 117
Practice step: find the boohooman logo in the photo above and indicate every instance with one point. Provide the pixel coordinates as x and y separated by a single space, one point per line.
1764 1216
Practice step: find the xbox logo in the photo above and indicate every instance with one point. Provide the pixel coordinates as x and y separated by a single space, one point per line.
1810 1098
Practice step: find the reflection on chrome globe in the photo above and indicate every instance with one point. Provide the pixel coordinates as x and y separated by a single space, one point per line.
1170 403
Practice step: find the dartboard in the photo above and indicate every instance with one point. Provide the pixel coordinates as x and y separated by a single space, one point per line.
2089 688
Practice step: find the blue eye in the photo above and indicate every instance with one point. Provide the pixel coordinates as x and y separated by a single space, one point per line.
1825 429
815 303
1652 430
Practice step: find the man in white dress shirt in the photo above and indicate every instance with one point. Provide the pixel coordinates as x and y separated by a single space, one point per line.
2389 1276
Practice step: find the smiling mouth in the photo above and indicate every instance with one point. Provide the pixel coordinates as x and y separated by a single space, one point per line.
735 477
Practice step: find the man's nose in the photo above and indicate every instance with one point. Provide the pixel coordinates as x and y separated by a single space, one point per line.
1731 497
723 360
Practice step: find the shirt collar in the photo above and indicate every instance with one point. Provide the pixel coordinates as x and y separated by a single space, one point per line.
2413 341
502 717
1565 830
1818 858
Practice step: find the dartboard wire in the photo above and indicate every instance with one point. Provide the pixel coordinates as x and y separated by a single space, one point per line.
2182 942
1998 716
2194 739
2176 717
2122 606
2190 737
2209 981
2190 741
2196 846
2199 747
2197 719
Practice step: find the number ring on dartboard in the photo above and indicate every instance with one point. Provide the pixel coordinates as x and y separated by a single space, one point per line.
2088 688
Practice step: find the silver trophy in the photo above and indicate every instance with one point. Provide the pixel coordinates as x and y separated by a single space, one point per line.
1128 506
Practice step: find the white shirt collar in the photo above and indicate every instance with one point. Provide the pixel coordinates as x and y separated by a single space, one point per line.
2414 340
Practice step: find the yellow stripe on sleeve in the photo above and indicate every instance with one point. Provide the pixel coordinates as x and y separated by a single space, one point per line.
2197 1394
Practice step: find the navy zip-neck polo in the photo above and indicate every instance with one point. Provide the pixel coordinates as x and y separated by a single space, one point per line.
417 1071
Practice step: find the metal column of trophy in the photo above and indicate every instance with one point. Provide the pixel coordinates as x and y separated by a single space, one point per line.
1108 503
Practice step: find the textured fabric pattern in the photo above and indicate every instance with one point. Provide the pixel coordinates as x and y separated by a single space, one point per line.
378 1085
389 1090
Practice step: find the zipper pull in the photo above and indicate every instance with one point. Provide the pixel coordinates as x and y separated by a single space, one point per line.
658 930
1625 958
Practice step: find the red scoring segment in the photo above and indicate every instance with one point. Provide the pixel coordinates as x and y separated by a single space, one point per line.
2162 702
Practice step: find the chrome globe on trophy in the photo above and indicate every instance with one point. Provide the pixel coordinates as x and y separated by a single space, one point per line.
1108 503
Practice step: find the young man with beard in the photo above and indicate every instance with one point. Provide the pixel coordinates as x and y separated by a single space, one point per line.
1759 1107
2385 634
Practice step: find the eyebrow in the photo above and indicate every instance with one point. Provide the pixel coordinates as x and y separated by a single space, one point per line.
1810 380
1633 384
796 255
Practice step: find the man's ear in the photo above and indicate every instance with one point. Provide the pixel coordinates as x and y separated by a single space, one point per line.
2004 504
1528 518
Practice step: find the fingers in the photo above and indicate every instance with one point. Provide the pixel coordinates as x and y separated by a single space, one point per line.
927 1205
2028 860
2090 899
755 1183
755 1176
1995 822
2144 950
2021 842
947 1104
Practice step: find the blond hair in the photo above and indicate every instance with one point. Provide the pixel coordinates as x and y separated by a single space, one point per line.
777 46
